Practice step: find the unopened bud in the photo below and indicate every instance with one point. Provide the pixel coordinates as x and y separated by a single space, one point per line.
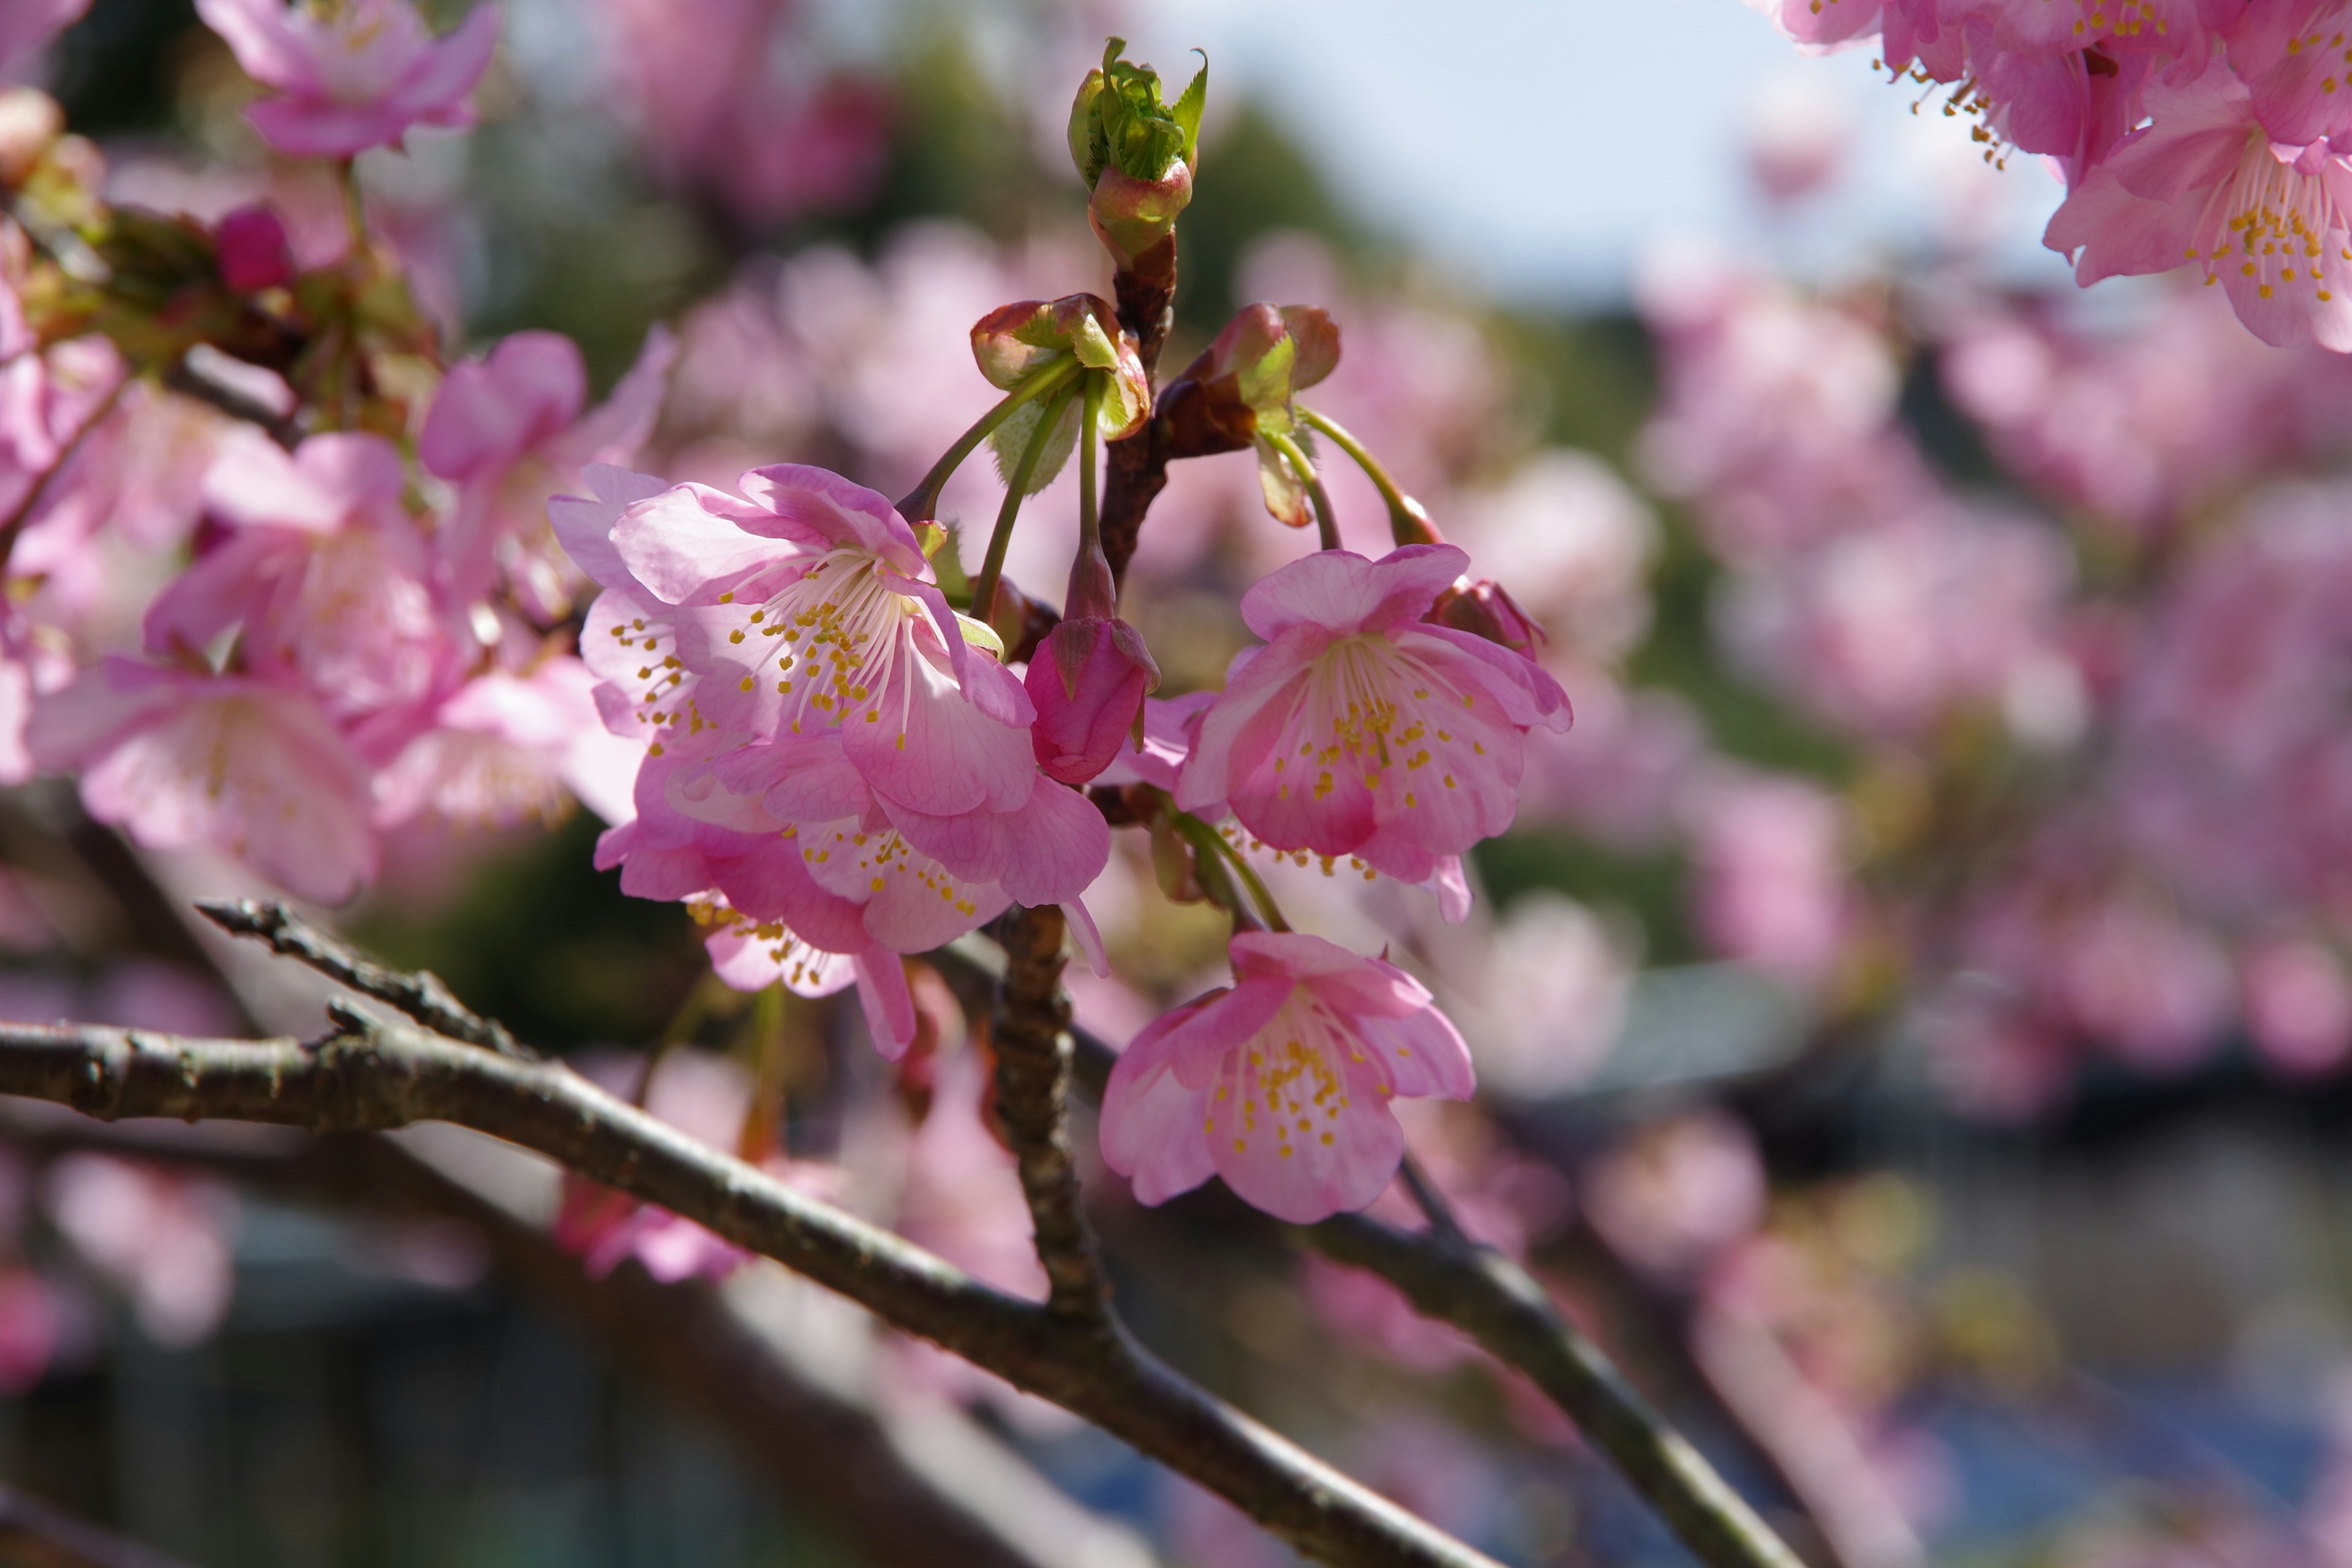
1484 608
1135 155
1240 391
253 249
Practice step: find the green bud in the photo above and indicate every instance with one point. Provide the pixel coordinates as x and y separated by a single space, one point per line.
1118 120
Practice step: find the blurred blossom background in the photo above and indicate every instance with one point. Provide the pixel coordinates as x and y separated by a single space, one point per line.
1913 1012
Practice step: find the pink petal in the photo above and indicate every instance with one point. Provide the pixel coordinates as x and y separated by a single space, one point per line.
1342 592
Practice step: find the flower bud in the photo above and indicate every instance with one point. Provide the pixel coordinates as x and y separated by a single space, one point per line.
1135 155
1239 392
1485 609
1087 682
1015 343
253 250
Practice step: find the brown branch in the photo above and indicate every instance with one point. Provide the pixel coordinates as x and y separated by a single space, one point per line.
33 1534
1030 1017
420 994
189 379
374 1075
1030 1036
1477 1290
1137 471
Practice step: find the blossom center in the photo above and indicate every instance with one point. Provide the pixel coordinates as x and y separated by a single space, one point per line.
830 639
2274 223
1290 1082
1372 707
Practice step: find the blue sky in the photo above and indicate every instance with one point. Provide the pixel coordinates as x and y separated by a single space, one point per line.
1544 143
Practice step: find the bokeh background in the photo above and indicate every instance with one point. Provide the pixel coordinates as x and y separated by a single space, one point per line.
1912 1009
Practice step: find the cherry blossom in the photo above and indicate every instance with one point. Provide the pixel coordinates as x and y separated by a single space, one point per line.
1358 729
178 757
354 75
511 431
2205 183
1312 1038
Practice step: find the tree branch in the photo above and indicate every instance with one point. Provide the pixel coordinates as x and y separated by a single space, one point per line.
421 994
374 1075
1508 1312
825 1446
1031 1039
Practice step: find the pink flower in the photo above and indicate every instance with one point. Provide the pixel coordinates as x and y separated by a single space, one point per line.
1359 729
1772 881
2205 183
27 25
2298 1003
918 879
505 747
354 74
1281 1082
179 757
509 431
162 1236
810 608
752 955
321 567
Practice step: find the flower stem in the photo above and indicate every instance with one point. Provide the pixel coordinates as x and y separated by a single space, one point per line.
1326 521
1207 840
1408 523
1089 508
355 209
983 587
925 498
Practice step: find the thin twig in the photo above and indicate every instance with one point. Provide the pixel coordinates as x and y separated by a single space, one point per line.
190 380
420 994
1431 1203
374 1075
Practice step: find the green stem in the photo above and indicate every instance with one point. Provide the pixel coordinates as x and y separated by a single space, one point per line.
983 587
1206 839
924 499
355 209
1089 509
1408 523
1326 521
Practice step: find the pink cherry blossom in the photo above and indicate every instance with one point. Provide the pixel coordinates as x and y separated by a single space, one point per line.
2204 182
1359 729
1771 884
504 747
508 430
810 608
918 878
2295 59
1312 1041
178 757
2298 1003
322 568
161 1236
730 96
354 75
752 955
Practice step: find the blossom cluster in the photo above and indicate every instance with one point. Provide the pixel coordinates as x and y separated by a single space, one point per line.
2214 135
